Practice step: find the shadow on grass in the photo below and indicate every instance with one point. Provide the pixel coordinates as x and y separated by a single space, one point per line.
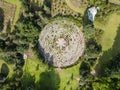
1 19
49 80
108 55
28 81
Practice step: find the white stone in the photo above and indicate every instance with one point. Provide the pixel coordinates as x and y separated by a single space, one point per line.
24 56
61 43
93 72
92 11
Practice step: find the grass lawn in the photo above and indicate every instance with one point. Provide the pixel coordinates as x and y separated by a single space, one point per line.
110 31
17 3
64 74
110 41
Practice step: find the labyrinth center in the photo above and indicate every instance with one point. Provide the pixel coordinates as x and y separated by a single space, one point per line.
61 43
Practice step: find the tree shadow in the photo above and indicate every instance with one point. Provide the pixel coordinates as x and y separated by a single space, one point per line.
49 80
1 19
28 81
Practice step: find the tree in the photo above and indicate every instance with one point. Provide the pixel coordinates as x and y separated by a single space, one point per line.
1 19
28 32
84 69
93 49
4 73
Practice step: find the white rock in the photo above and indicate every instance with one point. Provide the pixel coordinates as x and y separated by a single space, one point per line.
24 56
92 11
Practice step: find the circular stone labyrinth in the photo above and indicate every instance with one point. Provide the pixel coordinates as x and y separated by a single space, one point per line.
61 43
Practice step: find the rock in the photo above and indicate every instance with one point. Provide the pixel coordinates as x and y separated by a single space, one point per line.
61 43
92 11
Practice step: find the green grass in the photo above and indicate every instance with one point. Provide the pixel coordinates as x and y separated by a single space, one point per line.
110 31
110 41
64 74
17 3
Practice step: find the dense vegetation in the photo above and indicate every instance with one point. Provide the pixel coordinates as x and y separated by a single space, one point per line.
1 18
23 39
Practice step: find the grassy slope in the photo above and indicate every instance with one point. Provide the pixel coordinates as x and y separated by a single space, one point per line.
110 31
109 42
17 3
64 74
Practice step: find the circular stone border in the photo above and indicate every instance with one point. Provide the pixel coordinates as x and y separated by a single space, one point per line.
61 43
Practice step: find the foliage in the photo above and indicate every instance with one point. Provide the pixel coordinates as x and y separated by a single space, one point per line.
1 19
84 69
88 27
4 73
113 67
28 32
93 49
4 70
107 83
28 81
89 31
98 34
12 45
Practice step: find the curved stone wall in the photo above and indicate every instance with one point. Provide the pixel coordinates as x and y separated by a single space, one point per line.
61 43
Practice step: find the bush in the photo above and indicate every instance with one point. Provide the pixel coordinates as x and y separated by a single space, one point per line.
84 69
4 69
93 49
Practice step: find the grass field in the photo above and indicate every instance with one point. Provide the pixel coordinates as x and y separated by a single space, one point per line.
110 31
110 40
64 74
17 3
